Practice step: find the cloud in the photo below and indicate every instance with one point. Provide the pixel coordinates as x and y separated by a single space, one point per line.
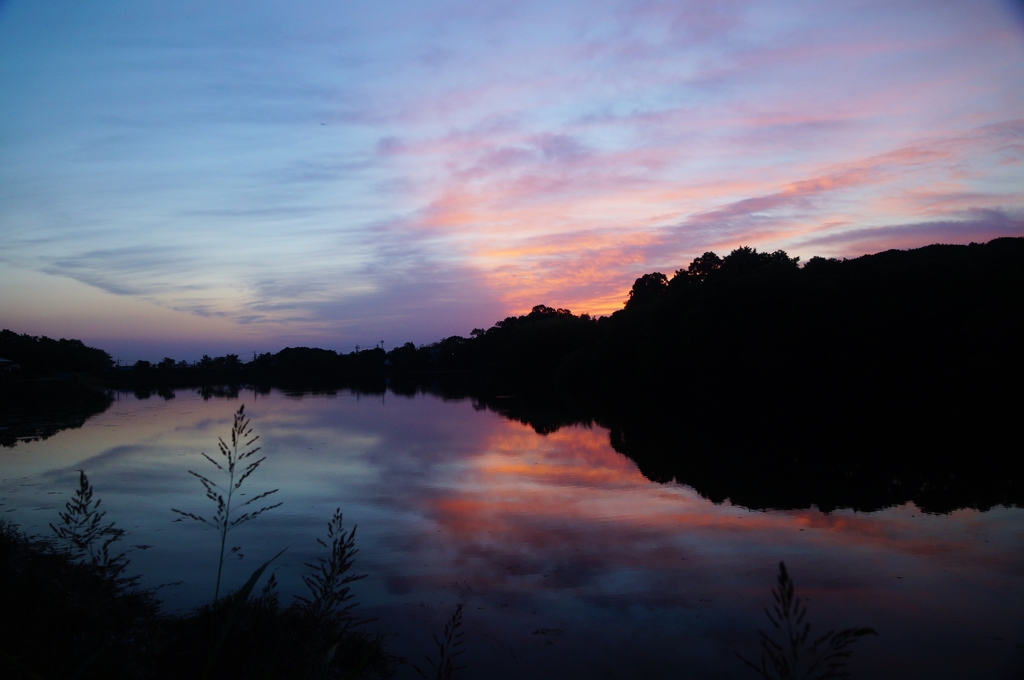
134 270
477 160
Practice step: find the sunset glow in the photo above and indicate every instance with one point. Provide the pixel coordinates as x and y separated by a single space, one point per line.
206 178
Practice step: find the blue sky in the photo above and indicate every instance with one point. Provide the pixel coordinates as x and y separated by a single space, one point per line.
234 177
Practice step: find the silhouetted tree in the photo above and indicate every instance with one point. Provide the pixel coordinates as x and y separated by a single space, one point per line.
647 288
745 260
700 268
545 311
817 263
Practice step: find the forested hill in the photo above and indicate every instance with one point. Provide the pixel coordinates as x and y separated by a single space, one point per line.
942 311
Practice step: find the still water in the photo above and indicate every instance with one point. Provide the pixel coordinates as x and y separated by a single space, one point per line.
569 562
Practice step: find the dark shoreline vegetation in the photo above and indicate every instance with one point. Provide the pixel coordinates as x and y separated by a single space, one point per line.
74 614
862 383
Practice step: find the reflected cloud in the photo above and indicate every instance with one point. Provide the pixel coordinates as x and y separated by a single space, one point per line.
532 532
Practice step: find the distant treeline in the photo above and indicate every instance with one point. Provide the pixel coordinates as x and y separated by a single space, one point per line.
938 313
941 311
302 364
926 341
45 355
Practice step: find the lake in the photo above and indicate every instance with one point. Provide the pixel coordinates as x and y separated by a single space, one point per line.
568 560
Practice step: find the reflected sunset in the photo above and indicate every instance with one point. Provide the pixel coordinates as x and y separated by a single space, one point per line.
530 532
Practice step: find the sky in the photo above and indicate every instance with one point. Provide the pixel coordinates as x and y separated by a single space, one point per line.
218 176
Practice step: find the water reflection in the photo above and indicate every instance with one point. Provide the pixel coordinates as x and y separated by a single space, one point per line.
38 409
569 560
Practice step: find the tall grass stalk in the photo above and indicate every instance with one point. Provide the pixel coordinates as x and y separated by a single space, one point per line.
240 600
328 580
83 533
448 649
237 464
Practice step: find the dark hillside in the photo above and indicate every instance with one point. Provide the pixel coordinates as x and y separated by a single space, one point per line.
723 325
939 314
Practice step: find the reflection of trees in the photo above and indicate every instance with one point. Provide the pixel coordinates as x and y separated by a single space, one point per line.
760 457
208 392
772 447
39 409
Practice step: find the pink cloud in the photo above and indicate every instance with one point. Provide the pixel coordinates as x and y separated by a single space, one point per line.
574 226
975 226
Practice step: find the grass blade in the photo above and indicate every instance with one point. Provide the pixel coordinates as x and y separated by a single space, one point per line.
321 672
236 609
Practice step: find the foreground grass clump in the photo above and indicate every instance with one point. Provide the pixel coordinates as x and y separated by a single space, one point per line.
67 618
70 611
269 640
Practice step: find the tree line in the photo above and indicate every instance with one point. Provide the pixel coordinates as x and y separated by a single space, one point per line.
743 329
